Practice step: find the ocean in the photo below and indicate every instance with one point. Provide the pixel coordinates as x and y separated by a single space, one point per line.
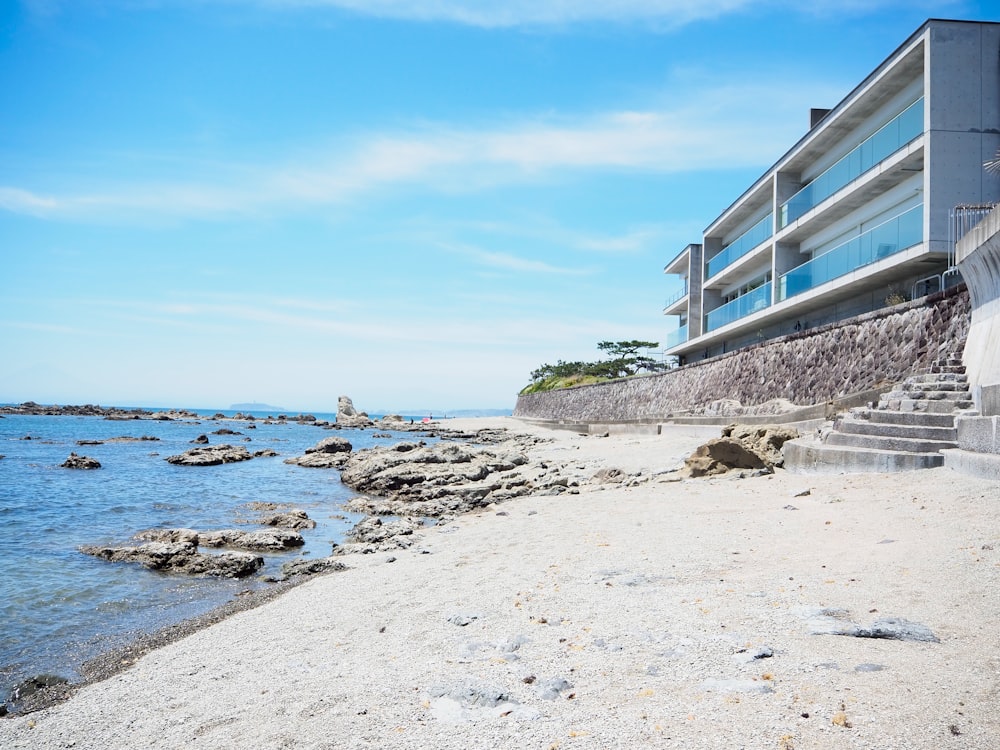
60 607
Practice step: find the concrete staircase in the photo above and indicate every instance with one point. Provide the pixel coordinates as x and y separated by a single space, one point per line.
906 430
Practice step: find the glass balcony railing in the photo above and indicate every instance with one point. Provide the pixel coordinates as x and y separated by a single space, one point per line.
895 134
742 245
888 238
675 296
675 338
740 307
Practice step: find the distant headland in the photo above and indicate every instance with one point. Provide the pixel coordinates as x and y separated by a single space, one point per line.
254 406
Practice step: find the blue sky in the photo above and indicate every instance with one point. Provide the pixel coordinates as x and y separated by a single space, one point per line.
411 202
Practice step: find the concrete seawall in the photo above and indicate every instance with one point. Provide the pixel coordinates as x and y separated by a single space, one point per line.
829 363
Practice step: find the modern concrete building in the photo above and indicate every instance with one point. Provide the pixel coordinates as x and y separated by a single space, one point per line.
861 212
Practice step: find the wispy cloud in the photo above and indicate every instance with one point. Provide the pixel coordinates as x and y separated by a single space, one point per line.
666 15
727 127
508 262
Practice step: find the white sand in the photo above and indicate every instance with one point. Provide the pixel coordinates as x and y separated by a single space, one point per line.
649 601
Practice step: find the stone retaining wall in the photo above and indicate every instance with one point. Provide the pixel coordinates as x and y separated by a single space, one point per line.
811 367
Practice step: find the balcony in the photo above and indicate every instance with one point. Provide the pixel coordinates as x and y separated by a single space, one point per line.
740 307
675 298
888 238
742 245
676 338
895 134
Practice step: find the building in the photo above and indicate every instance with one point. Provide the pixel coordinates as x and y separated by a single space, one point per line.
861 212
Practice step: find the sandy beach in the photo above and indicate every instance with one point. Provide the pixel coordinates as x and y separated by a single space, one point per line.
704 613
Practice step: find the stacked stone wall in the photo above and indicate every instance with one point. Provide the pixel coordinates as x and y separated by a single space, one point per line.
811 367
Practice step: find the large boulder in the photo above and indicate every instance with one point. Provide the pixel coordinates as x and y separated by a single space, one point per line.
756 447
328 453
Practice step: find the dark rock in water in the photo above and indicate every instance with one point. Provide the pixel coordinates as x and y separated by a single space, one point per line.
201 440
311 567
328 453
90 442
181 557
293 519
331 445
80 462
226 431
211 456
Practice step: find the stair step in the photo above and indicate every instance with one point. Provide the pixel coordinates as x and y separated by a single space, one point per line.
888 443
957 369
809 456
923 418
856 426
939 377
934 386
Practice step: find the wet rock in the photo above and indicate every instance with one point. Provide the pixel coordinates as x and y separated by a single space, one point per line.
212 455
26 689
80 462
181 557
329 453
201 440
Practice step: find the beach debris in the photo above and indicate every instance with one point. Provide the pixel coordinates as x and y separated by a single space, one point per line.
835 622
463 618
80 462
553 688
214 455
181 557
714 685
474 701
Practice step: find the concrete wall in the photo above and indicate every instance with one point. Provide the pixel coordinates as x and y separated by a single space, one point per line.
978 256
812 367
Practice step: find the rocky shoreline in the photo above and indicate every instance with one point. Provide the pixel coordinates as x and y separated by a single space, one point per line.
403 488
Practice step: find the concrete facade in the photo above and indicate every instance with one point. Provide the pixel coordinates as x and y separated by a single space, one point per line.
859 213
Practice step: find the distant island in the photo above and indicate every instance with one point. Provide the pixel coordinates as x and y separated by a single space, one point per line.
254 406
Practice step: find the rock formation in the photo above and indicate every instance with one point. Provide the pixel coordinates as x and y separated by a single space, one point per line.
348 416
80 462
328 453
213 455
756 447
181 557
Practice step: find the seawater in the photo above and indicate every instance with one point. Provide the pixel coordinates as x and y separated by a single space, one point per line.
60 607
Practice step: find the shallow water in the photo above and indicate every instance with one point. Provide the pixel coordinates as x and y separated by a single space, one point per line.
59 607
